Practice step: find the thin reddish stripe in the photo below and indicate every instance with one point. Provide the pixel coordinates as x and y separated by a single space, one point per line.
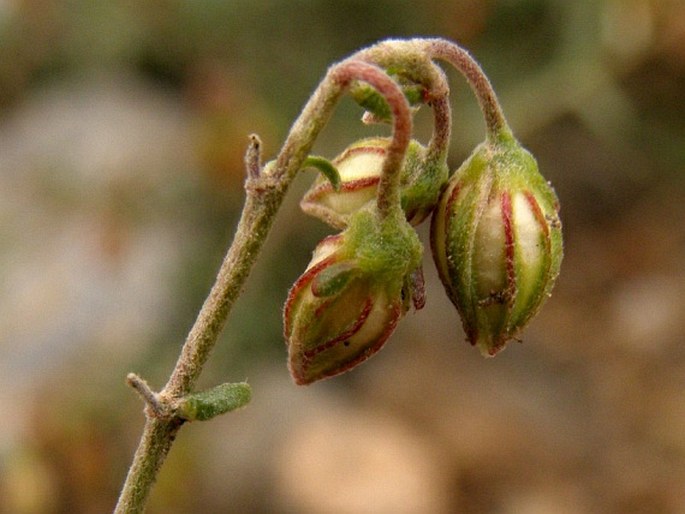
390 328
542 221
537 211
358 183
359 149
321 308
301 282
507 215
363 316
448 219
345 187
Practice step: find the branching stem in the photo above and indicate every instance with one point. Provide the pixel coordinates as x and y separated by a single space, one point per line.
147 394
266 188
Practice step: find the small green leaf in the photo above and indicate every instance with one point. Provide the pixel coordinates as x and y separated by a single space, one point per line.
367 97
371 100
333 279
325 167
414 94
213 402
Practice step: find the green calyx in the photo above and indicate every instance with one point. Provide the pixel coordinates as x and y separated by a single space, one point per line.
387 248
508 165
421 181
496 240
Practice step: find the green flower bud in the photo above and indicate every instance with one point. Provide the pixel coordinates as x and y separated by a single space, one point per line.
359 168
348 301
496 241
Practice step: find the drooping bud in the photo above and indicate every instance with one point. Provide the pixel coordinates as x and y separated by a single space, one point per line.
347 303
496 241
359 167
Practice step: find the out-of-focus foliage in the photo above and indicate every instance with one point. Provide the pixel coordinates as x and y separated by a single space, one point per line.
122 129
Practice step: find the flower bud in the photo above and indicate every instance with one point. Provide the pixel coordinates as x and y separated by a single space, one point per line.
351 296
360 167
496 241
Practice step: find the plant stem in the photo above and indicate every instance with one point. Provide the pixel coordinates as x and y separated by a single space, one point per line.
409 60
495 122
388 196
266 189
155 443
442 127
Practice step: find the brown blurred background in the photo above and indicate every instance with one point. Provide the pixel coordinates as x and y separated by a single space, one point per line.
122 129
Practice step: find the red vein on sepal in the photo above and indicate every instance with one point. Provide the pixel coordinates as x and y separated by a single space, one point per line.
357 325
297 287
345 187
371 350
358 149
547 252
509 252
537 211
444 273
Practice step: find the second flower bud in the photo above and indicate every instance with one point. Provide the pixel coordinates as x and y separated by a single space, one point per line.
347 303
360 167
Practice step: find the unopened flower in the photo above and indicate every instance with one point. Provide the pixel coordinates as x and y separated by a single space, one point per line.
496 241
347 303
359 167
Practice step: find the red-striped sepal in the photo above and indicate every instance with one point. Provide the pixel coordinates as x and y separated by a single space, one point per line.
496 241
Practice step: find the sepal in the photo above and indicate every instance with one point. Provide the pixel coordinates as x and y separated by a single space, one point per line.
348 301
496 241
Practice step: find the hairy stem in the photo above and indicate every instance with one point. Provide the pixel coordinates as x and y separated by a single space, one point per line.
266 189
495 122
409 60
388 196
442 127
155 443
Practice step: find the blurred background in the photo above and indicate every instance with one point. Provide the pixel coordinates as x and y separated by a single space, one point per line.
122 129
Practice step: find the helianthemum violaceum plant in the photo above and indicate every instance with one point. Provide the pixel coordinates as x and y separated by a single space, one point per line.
495 237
